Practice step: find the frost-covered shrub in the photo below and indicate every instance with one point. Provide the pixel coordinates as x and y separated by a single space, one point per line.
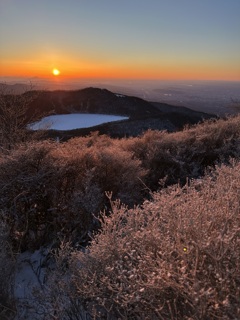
110 167
187 153
27 193
176 257
49 190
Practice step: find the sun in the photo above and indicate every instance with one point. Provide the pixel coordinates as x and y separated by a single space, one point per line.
56 72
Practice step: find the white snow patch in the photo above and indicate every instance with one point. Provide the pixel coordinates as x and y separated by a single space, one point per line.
119 95
29 276
74 121
30 287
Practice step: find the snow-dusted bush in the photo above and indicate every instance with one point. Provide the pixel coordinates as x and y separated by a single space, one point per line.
50 190
176 257
27 193
186 153
110 167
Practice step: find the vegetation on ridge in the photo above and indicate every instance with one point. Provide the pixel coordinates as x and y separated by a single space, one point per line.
170 252
47 187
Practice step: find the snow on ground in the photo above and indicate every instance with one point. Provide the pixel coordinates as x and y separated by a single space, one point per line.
29 276
74 121
30 288
119 95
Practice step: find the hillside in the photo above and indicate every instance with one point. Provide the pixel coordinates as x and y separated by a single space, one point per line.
143 115
152 235
91 200
94 100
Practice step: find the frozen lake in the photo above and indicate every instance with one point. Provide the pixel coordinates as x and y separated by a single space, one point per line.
74 121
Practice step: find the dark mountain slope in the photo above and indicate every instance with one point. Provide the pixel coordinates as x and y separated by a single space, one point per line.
143 115
192 115
94 100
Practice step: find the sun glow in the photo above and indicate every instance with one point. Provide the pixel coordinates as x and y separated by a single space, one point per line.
55 72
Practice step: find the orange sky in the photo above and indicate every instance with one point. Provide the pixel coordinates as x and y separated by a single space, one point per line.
86 69
136 40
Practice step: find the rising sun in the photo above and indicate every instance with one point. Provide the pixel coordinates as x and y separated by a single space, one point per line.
56 72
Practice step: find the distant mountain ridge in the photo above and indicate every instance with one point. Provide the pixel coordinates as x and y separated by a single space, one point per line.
94 100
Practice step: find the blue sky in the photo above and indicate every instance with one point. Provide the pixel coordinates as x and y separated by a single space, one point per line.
135 38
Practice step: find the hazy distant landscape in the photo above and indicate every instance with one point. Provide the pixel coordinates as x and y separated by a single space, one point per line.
216 97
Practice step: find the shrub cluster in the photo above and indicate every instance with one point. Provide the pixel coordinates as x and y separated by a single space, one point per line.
49 190
175 257
187 153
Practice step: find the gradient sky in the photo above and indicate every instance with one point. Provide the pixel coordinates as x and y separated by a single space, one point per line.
149 39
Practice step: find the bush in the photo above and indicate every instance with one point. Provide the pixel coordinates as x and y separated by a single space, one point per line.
15 115
7 303
27 194
176 257
49 190
185 154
